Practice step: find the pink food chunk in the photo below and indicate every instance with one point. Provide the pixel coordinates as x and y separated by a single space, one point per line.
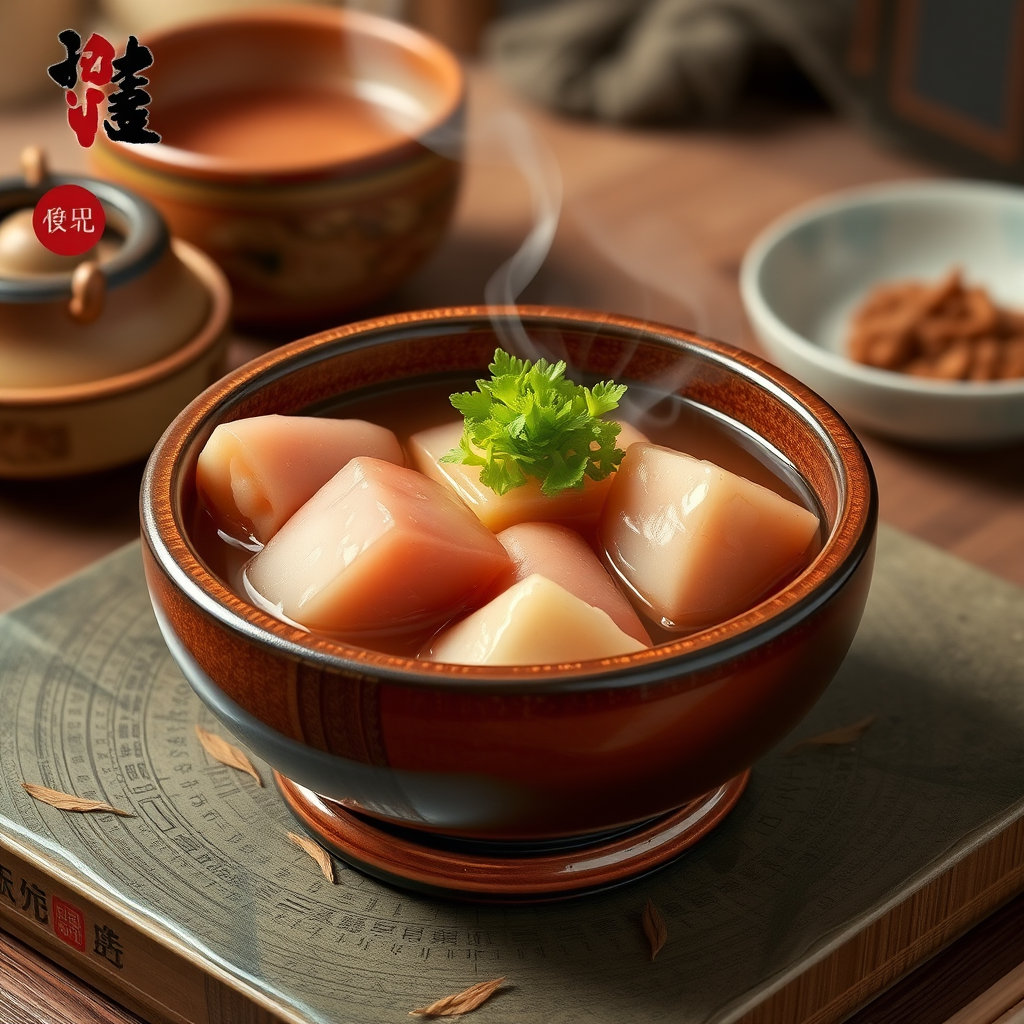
255 473
696 543
526 504
378 548
534 622
565 558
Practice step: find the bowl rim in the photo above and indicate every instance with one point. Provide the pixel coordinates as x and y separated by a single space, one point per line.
848 544
174 162
886 194
207 337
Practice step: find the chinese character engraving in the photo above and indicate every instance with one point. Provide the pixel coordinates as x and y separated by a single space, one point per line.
108 945
36 899
6 879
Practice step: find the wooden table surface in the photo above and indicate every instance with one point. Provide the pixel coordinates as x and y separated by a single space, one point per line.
654 223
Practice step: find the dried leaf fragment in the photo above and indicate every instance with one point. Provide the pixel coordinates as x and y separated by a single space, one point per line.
317 852
837 737
220 750
68 802
654 928
461 1002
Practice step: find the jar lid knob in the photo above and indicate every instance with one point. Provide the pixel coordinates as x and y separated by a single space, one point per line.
33 166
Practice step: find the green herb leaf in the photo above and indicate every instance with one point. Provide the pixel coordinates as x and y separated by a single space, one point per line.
529 421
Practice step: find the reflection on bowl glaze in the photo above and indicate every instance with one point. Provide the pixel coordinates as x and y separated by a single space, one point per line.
317 189
525 752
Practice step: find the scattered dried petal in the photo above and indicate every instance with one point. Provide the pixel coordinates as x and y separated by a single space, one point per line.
837 737
317 852
654 928
220 750
67 802
462 1002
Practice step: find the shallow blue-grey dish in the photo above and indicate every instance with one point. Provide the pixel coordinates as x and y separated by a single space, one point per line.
804 276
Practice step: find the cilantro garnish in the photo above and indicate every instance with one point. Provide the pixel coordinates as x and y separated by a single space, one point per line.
529 421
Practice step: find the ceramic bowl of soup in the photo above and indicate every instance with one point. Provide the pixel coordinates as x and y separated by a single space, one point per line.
527 754
313 153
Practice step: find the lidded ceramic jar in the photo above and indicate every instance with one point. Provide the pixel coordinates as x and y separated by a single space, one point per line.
99 351
125 303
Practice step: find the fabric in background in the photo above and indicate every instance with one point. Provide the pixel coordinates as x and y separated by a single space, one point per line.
649 61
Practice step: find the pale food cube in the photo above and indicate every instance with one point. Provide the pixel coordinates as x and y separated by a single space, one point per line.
525 504
256 472
565 558
377 548
534 622
697 543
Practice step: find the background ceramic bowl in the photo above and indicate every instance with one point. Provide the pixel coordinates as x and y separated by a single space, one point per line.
805 275
314 208
527 752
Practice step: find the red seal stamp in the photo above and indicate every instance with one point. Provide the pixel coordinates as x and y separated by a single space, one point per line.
69 220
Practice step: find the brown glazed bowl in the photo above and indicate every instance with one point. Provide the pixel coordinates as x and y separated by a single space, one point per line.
267 164
532 752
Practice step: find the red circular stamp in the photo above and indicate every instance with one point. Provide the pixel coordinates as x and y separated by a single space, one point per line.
69 220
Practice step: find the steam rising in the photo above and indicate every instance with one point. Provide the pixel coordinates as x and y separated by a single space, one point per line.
646 247
543 176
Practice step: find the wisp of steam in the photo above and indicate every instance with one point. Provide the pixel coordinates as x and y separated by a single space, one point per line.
626 243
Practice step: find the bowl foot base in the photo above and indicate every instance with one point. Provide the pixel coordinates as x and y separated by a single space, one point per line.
502 872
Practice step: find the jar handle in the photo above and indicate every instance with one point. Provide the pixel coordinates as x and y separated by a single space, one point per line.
88 290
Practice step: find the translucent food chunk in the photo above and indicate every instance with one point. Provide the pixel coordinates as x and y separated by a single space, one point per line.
377 548
526 504
256 472
565 558
696 543
534 622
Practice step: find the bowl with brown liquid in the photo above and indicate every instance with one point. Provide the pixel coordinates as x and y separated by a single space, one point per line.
519 781
313 153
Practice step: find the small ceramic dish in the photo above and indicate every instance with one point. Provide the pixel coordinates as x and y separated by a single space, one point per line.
94 366
806 274
458 778
313 153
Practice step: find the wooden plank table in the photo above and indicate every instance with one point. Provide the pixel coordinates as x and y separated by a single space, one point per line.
654 223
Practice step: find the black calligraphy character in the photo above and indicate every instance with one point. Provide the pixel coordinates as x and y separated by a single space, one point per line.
65 74
108 945
37 898
6 878
127 106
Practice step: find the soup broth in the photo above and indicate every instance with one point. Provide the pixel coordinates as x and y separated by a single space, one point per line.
672 422
268 129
